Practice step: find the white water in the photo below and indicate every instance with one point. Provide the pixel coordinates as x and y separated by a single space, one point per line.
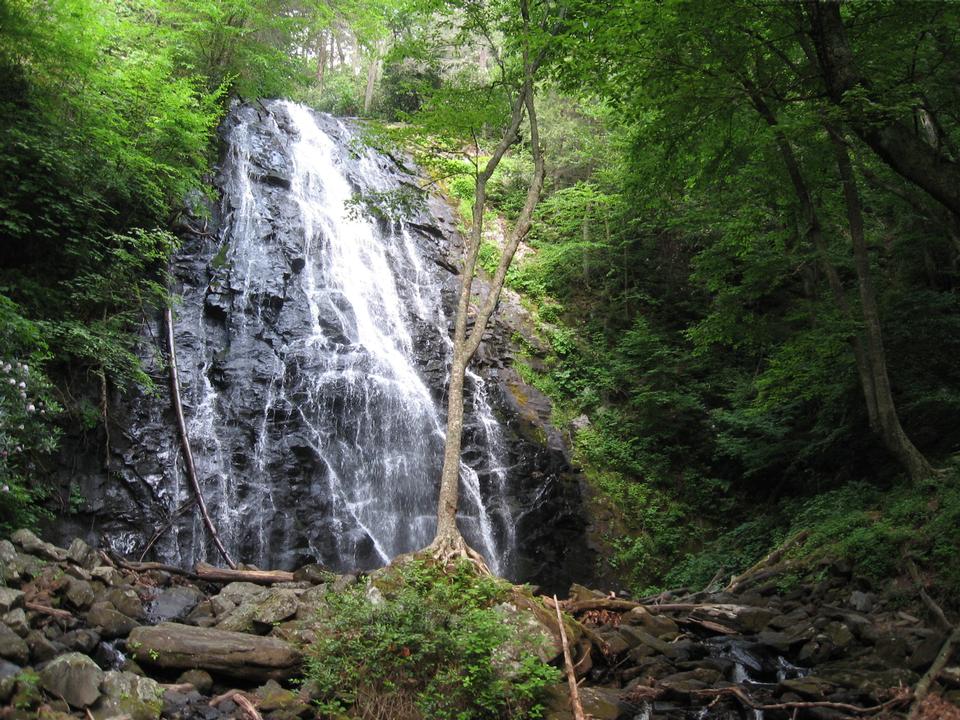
348 375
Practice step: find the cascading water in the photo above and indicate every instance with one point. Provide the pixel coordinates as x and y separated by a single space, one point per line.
369 433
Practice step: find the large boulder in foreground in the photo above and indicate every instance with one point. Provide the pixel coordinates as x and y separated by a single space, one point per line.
236 655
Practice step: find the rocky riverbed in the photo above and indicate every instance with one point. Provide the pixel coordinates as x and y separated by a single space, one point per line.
84 634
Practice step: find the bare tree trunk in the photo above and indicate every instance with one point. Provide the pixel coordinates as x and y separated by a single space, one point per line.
373 72
814 233
321 59
448 543
894 437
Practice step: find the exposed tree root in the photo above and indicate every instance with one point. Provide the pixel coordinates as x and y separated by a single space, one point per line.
449 548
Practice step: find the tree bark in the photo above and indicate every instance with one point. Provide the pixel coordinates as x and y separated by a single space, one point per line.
895 142
372 73
894 436
448 542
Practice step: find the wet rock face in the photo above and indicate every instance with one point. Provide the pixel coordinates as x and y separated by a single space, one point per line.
315 441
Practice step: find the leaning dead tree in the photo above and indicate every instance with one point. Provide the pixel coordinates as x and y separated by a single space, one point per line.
185 440
449 544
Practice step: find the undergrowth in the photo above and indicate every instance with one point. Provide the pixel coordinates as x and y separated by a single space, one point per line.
424 644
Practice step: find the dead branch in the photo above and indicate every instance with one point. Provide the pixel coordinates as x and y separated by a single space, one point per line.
260 577
770 559
241 699
568 666
45 610
923 687
146 566
185 440
902 696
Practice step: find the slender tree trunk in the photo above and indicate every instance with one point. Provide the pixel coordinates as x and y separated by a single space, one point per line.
814 233
373 72
448 543
321 59
893 434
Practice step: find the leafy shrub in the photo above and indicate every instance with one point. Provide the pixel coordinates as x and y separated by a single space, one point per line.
427 649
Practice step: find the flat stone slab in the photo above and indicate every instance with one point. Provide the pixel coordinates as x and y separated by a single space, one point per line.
221 652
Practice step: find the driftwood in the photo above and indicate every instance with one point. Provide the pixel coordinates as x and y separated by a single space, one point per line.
568 666
185 439
902 696
772 558
260 577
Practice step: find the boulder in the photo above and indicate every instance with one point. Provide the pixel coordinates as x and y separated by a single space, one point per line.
41 648
82 554
126 694
125 600
79 593
173 603
17 621
73 677
659 626
200 679
112 624
10 599
278 606
13 647
181 647
35 546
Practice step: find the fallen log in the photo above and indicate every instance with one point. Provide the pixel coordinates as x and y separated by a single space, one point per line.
770 559
119 562
225 575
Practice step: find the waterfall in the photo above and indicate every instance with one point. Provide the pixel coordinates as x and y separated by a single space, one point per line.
309 411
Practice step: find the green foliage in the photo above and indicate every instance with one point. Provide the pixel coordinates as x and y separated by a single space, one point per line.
432 647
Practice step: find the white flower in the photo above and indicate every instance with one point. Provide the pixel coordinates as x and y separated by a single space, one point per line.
23 385
6 367
12 381
31 408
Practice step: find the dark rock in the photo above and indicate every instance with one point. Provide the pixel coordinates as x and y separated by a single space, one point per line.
33 545
861 602
73 677
312 573
8 669
809 688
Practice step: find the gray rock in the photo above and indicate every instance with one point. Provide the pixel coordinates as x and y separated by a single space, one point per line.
312 573
79 593
278 606
35 546
13 647
861 601
8 669
107 575
126 694
16 620
82 554
10 599
127 601
73 677
238 655
173 603
112 624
